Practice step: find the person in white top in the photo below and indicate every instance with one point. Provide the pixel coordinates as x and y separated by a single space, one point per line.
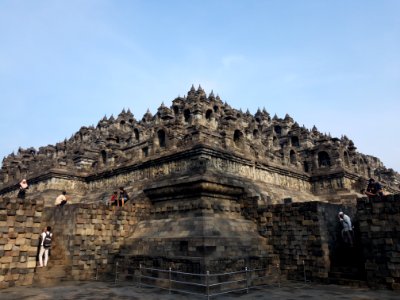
45 245
61 199
347 231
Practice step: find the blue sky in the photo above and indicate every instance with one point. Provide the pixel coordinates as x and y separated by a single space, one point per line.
335 64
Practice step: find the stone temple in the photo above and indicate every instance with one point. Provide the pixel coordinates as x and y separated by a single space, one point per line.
211 188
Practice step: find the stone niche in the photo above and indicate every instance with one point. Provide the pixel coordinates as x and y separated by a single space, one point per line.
196 225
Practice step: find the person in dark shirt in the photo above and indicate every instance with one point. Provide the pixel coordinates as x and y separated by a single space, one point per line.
23 186
374 188
122 197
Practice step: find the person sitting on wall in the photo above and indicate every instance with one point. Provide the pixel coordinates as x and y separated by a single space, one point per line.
113 200
374 188
347 231
23 186
61 199
122 197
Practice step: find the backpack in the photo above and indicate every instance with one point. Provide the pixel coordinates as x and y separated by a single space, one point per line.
47 240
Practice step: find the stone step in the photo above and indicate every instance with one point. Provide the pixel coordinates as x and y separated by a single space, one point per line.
56 262
343 191
49 275
348 282
345 275
55 271
345 269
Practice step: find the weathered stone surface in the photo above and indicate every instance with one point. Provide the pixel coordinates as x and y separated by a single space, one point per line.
380 238
197 133
211 188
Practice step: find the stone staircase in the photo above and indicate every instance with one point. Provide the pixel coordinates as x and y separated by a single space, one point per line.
57 269
51 275
348 266
351 276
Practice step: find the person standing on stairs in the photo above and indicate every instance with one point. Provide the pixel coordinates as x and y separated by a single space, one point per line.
347 231
40 243
45 246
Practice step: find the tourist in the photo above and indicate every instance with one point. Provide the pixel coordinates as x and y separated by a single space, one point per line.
122 197
113 200
374 188
23 186
44 229
45 246
347 231
61 199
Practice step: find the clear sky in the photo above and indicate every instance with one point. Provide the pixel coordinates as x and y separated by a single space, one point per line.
334 64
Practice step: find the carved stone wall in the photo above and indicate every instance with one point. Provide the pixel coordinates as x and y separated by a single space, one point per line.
263 180
269 150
